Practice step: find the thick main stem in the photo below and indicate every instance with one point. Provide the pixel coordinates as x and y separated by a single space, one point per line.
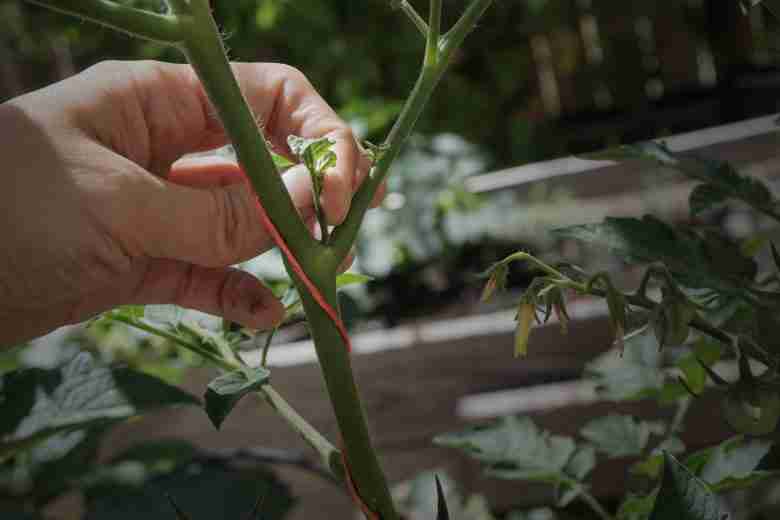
206 53
336 364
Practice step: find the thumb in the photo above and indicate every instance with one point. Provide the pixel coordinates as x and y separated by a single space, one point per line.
205 213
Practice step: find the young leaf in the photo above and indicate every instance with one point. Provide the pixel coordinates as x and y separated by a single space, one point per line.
36 403
618 435
525 318
442 512
617 314
514 448
496 281
226 391
682 496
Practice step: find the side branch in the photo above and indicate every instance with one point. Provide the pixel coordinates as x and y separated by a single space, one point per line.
344 235
468 21
416 19
137 22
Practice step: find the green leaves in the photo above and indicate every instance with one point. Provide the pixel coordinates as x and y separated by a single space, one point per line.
682 496
135 485
315 154
36 404
697 258
721 181
514 448
634 375
619 435
224 392
732 464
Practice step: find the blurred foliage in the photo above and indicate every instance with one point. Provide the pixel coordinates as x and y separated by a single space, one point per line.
647 81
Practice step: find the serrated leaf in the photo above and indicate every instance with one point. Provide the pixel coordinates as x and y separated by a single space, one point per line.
635 374
226 391
36 403
194 485
699 259
514 448
683 496
734 461
617 435
704 197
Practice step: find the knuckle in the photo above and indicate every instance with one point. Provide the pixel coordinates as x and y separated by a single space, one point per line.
230 292
185 287
232 217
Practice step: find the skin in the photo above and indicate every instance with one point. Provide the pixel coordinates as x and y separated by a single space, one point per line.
99 209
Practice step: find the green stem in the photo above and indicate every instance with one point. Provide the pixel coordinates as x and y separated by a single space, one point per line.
329 455
416 19
269 337
344 235
206 53
432 54
336 365
137 22
192 347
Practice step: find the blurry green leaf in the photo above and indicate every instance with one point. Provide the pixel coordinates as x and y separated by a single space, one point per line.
635 374
705 197
752 409
618 435
699 259
582 462
36 404
226 391
193 486
636 507
514 448
682 496
776 257
733 463
651 466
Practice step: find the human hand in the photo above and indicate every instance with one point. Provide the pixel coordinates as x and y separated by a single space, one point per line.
97 212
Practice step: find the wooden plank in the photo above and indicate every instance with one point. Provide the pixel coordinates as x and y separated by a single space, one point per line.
750 141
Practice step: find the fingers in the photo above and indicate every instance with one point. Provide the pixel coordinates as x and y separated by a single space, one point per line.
231 293
206 214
